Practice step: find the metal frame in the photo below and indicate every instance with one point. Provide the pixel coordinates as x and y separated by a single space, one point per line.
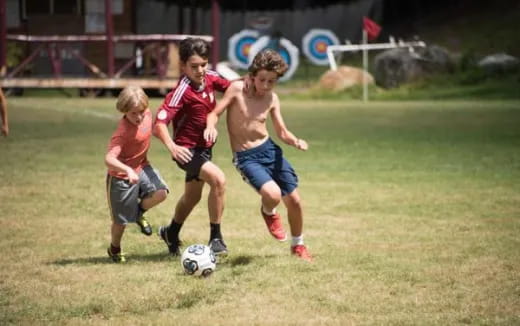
109 79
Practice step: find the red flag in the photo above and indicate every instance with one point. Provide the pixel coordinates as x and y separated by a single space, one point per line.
372 28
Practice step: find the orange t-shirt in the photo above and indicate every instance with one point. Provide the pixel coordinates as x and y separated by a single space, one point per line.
130 143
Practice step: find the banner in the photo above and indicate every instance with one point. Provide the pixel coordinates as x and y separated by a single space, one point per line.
372 28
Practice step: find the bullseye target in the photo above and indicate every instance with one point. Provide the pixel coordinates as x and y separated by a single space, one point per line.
239 46
315 43
289 53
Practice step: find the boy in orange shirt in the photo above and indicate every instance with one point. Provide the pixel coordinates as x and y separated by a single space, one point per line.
133 186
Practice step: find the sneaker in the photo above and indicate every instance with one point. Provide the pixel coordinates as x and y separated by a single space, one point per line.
218 246
146 228
274 225
116 258
173 247
302 252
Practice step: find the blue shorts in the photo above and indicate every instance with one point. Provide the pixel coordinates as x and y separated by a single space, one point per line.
264 163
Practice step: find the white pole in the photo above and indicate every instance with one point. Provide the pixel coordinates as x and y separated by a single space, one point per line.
331 48
332 60
365 68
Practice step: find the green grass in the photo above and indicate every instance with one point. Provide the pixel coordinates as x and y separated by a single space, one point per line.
412 211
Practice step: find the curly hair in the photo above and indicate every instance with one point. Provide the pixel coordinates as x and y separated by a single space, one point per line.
269 60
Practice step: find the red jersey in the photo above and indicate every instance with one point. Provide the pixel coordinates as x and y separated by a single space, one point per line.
130 144
188 108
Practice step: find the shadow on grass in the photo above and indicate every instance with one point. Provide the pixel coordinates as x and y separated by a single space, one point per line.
233 261
240 260
106 260
244 260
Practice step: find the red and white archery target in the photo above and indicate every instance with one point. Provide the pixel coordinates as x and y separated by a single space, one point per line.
239 46
315 43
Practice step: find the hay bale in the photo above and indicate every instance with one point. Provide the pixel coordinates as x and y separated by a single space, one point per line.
344 77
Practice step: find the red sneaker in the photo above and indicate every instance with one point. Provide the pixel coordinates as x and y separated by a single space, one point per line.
274 225
302 252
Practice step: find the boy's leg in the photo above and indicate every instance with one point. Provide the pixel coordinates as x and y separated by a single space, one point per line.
295 215
294 212
271 196
152 191
185 204
156 198
123 207
114 251
116 232
188 200
147 203
214 176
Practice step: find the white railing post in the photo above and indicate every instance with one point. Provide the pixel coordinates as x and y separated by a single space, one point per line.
365 47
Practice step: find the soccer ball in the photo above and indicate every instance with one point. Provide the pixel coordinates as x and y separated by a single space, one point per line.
198 259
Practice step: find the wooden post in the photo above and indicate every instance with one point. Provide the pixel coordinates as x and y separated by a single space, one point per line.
215 24
3 38
109 29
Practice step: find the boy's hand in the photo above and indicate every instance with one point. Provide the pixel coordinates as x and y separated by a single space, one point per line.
5 130
301 144
210 134
132 176
181 154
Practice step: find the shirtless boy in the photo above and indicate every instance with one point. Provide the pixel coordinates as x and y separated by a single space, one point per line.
249 103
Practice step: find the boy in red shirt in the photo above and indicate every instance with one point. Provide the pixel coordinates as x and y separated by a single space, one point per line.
186 107
133 186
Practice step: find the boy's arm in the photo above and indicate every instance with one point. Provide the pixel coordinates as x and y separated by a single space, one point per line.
179 153
210 133
3 114
281 130
113 163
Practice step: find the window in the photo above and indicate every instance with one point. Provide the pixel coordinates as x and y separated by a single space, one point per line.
49 7
67 7
37 7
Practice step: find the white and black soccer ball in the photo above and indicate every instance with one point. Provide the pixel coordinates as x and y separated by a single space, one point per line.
199 260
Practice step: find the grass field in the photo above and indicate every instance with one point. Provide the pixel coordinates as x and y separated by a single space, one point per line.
412 214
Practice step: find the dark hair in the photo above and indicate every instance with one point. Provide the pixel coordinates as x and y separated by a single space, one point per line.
193 46
269 60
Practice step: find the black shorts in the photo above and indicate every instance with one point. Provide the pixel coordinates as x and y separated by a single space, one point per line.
192 168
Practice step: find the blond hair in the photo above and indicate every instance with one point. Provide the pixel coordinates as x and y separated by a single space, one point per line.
131 97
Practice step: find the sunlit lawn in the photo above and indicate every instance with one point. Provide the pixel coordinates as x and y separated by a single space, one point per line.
412 213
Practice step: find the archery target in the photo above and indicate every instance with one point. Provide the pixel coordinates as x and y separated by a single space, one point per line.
287 51
239 46
315 43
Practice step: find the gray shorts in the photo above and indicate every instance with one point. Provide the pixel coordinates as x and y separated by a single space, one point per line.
124 197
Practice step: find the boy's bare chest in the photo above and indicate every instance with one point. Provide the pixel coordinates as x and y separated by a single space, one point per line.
253 109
